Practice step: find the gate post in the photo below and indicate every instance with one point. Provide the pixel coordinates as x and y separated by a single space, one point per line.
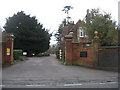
8 43
68 50
96 46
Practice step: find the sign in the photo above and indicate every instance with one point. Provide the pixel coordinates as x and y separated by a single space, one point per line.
8 51
83 54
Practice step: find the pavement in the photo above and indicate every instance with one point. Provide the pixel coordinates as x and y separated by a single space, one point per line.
44 72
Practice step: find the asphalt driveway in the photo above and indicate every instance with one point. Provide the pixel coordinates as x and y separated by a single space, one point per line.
49 72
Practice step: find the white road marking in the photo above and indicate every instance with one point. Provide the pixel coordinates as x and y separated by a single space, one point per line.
112 82
34 85
72 84
2 85
102 83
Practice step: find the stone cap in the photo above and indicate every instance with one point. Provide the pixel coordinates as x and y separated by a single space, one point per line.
68 36
6 35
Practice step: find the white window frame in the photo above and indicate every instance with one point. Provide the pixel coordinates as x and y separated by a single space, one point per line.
81 32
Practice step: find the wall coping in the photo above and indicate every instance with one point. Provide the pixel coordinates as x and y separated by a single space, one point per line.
110 47
68 36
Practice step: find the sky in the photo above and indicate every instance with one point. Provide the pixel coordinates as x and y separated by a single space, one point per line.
49 12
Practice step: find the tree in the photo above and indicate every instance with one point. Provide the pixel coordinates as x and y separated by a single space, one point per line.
59 31
67 9
58 34
96 21
30 36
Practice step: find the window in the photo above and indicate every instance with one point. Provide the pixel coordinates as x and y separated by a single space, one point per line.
81 30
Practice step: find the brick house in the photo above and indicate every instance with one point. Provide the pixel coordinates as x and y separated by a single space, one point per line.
73 37
76 49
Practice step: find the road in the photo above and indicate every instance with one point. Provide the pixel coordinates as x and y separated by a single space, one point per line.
43 72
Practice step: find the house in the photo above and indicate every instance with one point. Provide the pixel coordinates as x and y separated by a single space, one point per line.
75 47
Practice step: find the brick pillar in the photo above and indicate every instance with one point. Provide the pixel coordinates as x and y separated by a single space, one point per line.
8 49
96 45
68 50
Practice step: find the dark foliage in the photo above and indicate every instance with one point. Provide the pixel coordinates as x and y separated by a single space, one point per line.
30 36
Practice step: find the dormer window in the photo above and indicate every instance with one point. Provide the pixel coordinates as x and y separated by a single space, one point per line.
82 33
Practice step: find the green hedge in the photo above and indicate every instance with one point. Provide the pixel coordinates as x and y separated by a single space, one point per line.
17 54
61 60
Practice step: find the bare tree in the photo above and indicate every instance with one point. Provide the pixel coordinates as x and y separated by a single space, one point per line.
67 9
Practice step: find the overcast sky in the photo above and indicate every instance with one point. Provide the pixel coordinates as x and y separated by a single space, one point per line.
49 12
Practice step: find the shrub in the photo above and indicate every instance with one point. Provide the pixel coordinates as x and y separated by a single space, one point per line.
17 54
61 60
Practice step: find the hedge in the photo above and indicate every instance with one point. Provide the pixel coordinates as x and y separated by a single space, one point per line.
17 54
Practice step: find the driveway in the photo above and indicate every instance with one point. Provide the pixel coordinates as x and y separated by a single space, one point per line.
45 72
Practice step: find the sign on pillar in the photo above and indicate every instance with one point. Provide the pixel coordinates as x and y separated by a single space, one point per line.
8 51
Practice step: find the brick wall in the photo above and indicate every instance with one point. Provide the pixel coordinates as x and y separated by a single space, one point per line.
95 56
89 60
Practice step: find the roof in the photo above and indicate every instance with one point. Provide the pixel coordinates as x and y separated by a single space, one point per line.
66 29
77 25
71 27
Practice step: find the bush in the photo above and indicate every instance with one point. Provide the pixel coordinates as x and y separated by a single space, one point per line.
61 60
17 54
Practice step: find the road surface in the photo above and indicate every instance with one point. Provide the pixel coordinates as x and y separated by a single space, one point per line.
43 72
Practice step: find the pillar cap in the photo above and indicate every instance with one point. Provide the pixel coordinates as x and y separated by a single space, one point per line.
7 36
68 36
